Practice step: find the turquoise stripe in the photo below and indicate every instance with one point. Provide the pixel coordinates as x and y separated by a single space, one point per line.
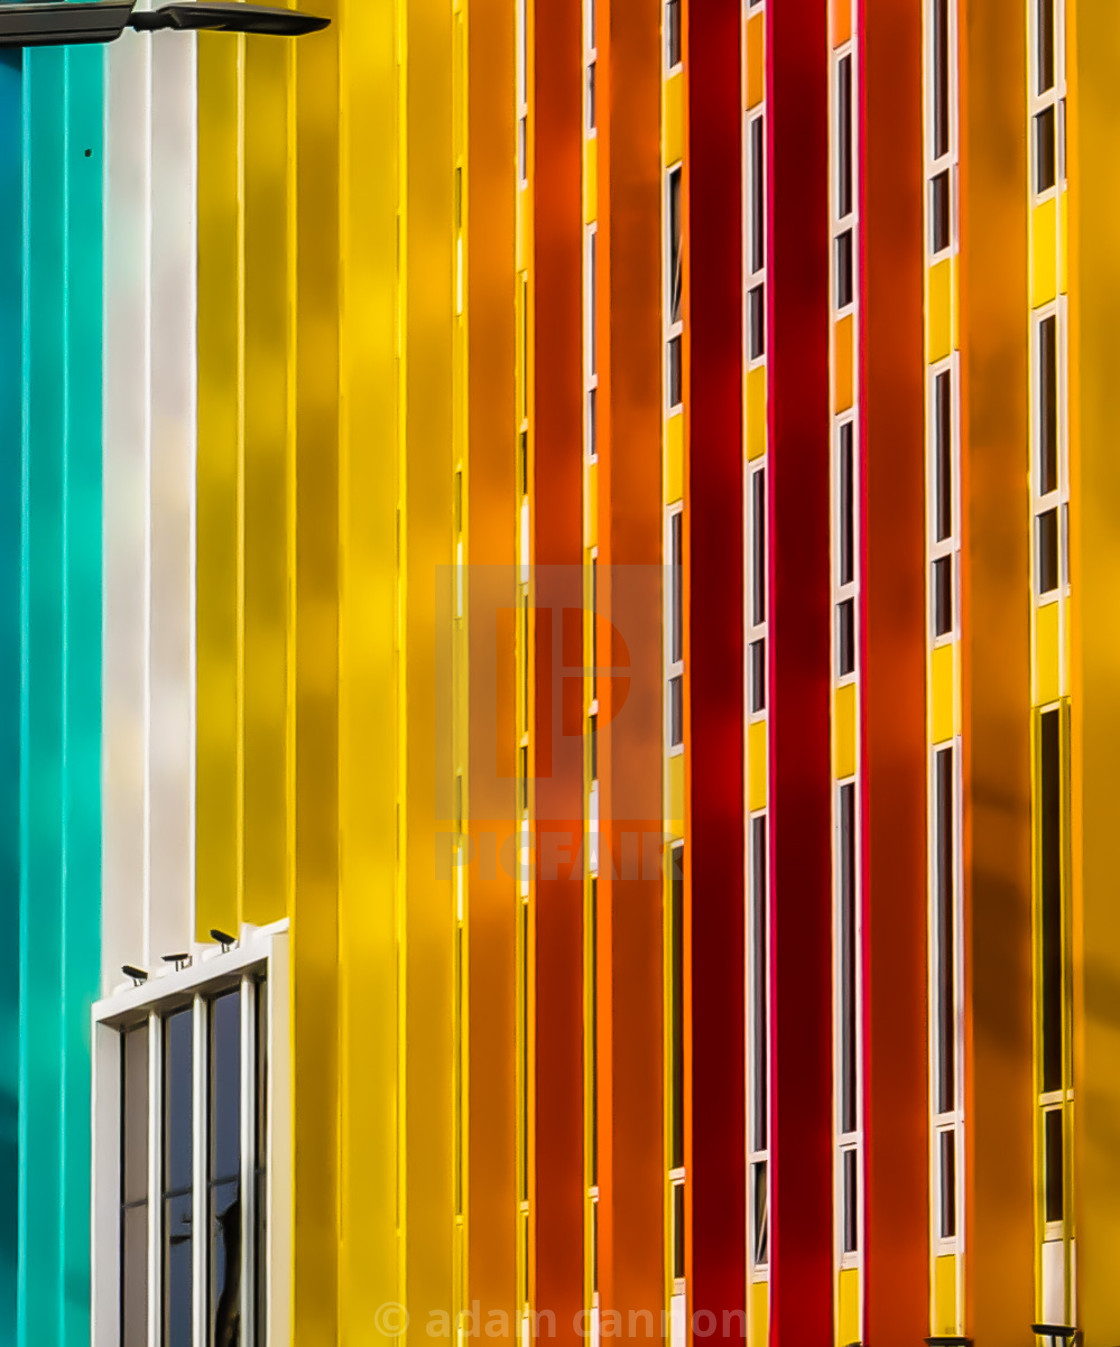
11 228
60 702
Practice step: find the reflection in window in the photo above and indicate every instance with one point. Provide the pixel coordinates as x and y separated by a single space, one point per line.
178 1184
134 1186
223 1176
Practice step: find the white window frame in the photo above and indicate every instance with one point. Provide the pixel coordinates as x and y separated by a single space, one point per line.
1054 97
263 951
590 60
845 1141
937 549
522 38
950 160
590 342
759 1270
1058 498
673 331
674 587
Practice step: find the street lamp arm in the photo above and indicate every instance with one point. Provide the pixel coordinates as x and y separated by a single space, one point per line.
58 23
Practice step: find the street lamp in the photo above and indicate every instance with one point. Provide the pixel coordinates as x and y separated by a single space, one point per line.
57 23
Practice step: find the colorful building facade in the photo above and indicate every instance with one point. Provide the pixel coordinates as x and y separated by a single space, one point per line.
558 577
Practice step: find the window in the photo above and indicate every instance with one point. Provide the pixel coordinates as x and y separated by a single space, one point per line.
591 96
678 1231
845 561
1044 150
756 322
676 583
676 374
522 92
758 675
1054 1162
592 296
845 638
940 209
1047 406
758 546
940 10
760 1204
1046 542
945 930
1045 47
676 711
843 250
673 33
943 596
676 251
846 941
592 426
844 137
756 208
947 1183
593 1021
850 1218
207 1054
943 456
676 898
1050 897
759 985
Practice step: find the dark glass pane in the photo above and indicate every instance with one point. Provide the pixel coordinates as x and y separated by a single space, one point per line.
1047 406
844 137
759 988
761 1206
1061 140
1045 46
756 322
593 1011
847 505
676 252
1050 867
843 250
847 941
945 897
758 546
940 78
940 208
592 302
676 576
676 373
523 462
134 1114
947 1163
676 710
943 596
1044 158
943 451
592 425
758 675
225 1086
851 1202
177 1271
1055 1173
678 1230
591 96
593 745
1047 542
845 638
178 1123
225 1262
134 1276
673 32
594 1246
676 891
757 209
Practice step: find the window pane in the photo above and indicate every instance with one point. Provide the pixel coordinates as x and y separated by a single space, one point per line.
1047 542
943 596
225 1262
1055 1175
758 546
1050 866
851 1201
591 96
943 455
593 1016
940 78
761 1211
945 929
845 638
1045 45
676 374
1044 175
676 711
843 252
592 292
134 1095
678 1230
1047 406
673 32
758 675
676 580
756 323
676 890
846 933
847 505
757 201
947 1183
261 1139
177 1270
759 996
940 207
134 1276
225 1086
676 252
592 427
178 1123
844 137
